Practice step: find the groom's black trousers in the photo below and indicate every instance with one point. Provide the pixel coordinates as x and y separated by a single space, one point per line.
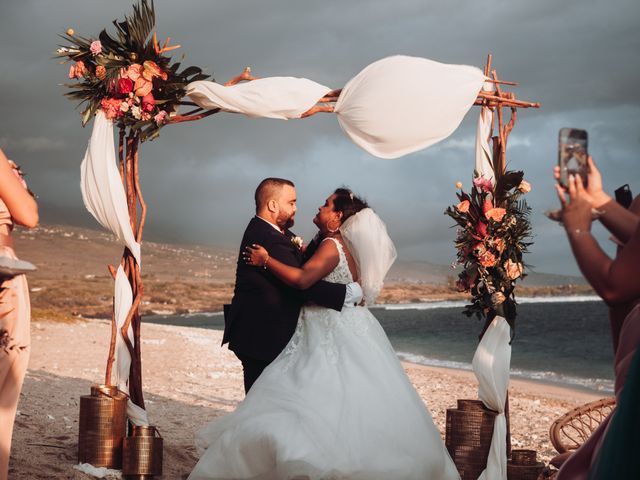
252 369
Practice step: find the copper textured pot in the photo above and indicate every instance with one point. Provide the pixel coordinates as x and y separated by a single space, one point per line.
142 453
102 426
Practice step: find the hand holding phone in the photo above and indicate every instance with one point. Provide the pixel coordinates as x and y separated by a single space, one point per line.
573 154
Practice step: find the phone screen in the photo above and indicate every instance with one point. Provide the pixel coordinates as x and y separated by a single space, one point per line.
572 154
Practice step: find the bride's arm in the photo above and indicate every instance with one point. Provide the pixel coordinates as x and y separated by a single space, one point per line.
323 261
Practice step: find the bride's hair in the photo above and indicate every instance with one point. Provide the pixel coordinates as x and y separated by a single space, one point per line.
347 203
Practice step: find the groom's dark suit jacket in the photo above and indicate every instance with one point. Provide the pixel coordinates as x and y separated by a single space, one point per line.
264 311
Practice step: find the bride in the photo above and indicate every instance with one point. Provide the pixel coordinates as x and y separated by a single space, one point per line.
336 403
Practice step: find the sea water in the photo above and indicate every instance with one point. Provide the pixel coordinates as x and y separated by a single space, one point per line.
560 340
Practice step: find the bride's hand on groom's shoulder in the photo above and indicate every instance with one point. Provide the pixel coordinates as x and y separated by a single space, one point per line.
256 255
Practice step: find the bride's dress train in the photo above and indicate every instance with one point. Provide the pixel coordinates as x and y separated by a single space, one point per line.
335 404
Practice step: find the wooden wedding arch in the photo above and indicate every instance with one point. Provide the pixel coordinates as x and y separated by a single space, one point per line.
497 101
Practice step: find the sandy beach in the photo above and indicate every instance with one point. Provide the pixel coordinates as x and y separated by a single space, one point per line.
189 379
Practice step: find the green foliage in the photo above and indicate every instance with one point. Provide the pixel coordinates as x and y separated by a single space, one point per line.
493 229
132 44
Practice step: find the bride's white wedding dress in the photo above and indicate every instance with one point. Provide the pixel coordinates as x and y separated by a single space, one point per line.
335 404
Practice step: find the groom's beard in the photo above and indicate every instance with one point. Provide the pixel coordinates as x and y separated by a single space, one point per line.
286 223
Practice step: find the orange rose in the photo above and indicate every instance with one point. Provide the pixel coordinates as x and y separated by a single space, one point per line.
101 72
513 269
499 244
487 259
78 70
479 248
111 107
133 72
496 214
142 87
463 206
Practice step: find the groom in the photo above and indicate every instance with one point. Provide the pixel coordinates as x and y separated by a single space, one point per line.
264 311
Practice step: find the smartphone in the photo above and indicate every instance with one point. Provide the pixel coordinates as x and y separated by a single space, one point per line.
623 196
572 154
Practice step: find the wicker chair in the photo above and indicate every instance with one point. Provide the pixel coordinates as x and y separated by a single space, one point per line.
572 429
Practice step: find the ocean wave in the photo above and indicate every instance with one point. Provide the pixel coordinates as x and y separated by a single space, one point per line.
461 303
601 385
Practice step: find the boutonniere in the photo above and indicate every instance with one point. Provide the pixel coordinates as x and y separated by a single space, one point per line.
298 242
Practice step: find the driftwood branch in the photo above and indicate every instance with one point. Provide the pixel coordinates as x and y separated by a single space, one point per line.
191 118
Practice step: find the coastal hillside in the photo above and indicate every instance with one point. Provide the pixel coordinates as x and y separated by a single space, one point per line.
73 279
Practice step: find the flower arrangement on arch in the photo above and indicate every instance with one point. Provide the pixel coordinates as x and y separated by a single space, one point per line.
492 237
128 76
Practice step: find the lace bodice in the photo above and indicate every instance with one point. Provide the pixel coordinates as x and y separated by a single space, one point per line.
340 274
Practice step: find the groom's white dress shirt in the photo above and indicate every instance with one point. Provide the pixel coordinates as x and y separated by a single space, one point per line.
353 295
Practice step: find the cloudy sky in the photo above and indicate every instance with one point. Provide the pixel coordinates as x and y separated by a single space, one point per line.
579 58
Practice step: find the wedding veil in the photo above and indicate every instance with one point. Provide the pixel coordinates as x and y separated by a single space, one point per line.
373 251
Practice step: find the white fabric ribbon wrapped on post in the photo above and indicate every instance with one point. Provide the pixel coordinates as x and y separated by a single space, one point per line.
104 197
491 364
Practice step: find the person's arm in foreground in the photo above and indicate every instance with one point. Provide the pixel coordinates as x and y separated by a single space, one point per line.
616 281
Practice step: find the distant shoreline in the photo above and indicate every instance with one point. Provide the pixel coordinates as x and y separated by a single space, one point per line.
425 305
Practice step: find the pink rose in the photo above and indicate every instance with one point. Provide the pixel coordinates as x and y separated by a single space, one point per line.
496 214
142 86
463 207
160 117
483 184
148 103
125 86
96 47
513 269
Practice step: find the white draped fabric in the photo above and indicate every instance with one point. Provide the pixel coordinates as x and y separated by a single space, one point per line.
491 367
102 189
395 106
123 302
399 105
104 197
273 97
484 152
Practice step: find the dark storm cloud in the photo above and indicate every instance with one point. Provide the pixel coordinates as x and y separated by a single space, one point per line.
579 58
